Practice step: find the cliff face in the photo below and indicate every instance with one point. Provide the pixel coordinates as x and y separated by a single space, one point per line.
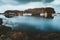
37 11
50 10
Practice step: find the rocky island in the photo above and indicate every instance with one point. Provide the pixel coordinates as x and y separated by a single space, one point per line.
42 12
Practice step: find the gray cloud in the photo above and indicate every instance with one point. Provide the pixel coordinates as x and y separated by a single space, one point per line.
19 2
26 1
47 1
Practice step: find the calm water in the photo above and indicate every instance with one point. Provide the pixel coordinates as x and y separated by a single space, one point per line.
24 23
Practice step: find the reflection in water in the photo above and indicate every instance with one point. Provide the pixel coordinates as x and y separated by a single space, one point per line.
25 23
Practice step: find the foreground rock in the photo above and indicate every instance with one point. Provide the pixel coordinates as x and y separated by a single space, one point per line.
25 36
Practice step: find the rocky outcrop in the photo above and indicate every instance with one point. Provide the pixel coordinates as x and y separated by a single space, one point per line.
34 12
12 13
5 30
37 11
39 36
40 10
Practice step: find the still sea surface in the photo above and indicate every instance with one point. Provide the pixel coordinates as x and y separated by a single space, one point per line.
31 23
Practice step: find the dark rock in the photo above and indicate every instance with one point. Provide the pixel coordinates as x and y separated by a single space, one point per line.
37 11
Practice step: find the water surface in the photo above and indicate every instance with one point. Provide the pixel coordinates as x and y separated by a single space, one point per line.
25 22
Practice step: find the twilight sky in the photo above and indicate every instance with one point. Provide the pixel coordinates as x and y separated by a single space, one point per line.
25 4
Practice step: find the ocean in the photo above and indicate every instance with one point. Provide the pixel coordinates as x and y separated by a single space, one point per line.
26 23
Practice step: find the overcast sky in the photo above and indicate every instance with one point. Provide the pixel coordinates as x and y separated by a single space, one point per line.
25 4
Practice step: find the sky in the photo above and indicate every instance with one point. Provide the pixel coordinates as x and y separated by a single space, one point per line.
25 4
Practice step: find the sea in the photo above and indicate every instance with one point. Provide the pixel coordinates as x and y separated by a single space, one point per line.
30 23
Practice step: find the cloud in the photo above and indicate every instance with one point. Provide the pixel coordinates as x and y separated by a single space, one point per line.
56 2
23 7
19 2
12 2
3 8
26 1
15 4
56 5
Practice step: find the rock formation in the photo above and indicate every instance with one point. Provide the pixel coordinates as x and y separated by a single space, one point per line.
34 12
12 13
37 11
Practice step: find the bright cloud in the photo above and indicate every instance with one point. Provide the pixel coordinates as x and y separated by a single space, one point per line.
6 5
23 7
